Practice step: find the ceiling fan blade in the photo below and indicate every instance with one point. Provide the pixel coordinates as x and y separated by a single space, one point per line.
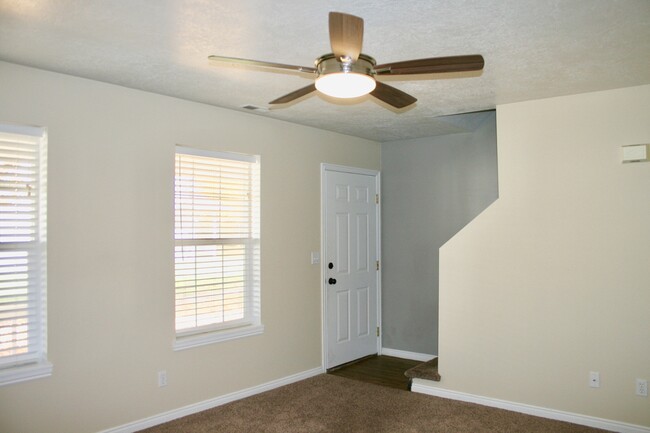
392 96
346 35
294 95
258 63
433 65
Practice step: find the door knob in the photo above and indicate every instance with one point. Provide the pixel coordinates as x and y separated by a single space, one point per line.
332 281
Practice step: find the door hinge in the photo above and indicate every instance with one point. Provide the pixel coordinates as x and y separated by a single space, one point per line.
377 264
376 198
377 331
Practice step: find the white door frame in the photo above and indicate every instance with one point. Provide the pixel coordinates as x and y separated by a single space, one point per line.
323 284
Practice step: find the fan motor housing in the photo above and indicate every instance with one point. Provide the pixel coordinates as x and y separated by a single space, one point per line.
329 64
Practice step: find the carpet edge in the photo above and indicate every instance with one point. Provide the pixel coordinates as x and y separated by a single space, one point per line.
422 387
211 403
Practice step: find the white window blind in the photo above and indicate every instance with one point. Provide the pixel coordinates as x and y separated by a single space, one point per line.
22 249
216 241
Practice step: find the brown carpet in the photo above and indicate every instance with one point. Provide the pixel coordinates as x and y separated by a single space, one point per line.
327 403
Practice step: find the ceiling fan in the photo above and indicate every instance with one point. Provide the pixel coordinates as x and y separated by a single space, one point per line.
347 73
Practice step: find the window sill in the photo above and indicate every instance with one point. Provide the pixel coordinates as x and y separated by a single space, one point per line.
187 342
25 372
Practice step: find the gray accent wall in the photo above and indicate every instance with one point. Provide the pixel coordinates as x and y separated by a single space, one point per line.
431 188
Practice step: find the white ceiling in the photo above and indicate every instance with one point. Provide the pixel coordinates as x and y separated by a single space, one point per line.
532 48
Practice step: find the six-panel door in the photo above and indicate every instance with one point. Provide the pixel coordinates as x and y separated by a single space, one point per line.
351 269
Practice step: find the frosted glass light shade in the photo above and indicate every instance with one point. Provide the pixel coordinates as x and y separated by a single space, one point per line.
345 84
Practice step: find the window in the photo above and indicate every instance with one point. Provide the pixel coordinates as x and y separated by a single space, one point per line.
22 254
217 242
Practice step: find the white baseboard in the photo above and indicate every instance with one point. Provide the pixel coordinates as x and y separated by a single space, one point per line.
214 402
425 387
407 355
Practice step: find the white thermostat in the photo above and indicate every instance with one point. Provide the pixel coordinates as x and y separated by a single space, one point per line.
635 153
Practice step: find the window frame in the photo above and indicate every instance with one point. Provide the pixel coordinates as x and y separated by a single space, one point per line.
251 323
34 365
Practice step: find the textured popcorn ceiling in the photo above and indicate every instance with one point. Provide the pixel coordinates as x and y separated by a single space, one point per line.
532 48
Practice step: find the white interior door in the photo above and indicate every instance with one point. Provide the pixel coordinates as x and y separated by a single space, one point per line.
350 264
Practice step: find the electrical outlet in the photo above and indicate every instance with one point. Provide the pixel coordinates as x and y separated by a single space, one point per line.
642 387
162 378
594 379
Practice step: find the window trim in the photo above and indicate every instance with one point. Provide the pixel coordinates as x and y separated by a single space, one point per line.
25 372
37 366
250 325
216 336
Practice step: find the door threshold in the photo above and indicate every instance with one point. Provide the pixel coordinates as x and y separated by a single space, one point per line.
347 364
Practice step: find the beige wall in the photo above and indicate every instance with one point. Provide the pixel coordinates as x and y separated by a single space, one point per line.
110 267
553 280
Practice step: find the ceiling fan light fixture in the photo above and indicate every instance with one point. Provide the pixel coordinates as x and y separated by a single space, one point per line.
348 73
345 84
345 79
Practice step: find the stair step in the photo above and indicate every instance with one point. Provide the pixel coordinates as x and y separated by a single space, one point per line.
427 370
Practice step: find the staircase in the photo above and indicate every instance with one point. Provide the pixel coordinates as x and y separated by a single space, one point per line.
427 370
